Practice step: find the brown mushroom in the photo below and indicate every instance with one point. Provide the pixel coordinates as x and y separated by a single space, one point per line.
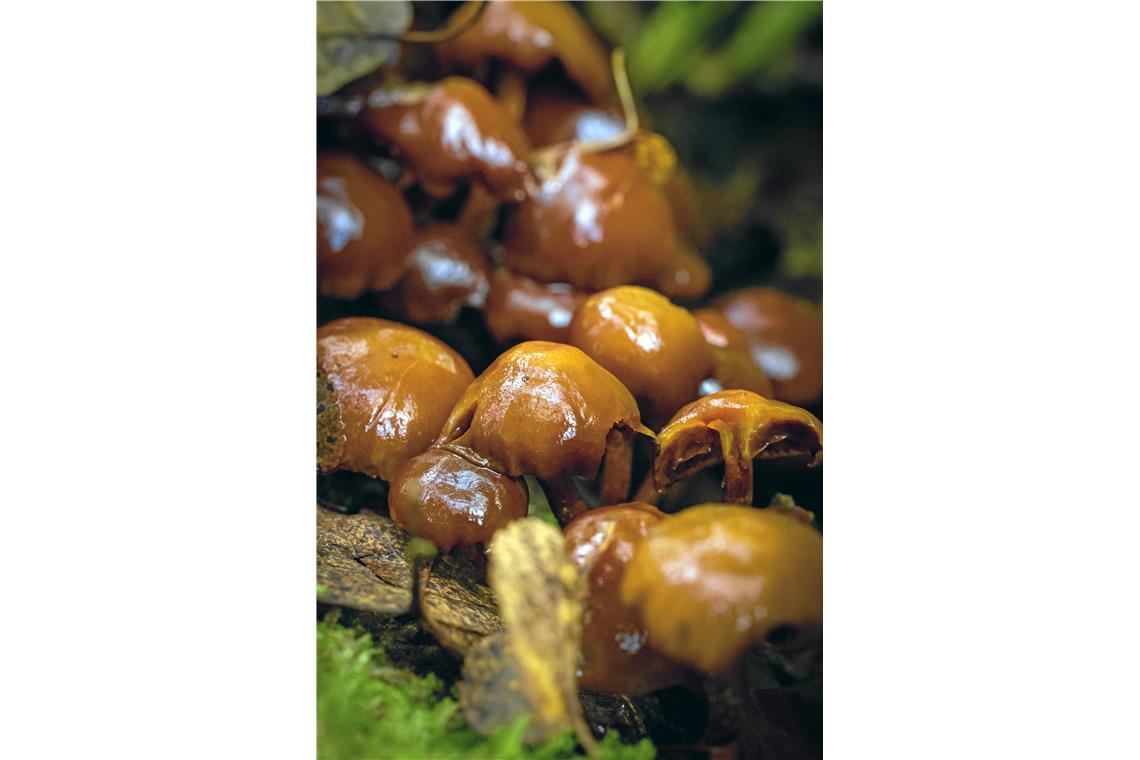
715 579
733 367
595 222
446 271
734 427
454 131
519 308
556 115
656 349
617 655
364 228
687 277
549 410
451 500
383 393
785 339
529 36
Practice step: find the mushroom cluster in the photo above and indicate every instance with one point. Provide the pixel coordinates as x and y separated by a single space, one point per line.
502 209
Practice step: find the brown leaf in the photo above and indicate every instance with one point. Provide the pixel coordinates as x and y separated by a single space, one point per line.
361 563
457 605
541 598
490 693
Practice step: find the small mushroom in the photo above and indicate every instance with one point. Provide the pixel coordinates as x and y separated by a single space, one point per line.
617 656
549 410
383 392
455 131
732 360
715 579
656 349
519 308
688 276
595 222
734 427
557 115
446 271
451 500
364 228
785 339
529 36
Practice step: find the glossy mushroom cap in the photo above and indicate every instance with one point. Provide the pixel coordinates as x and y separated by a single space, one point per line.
786 339
451 500
529 36
455 131
556 115
715 579
733 367
446 271
543 409
734 427
656 349
383 393
617 656
688 276
519 308
596 222
364 228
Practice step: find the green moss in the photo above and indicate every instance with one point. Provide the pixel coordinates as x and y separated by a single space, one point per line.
367 708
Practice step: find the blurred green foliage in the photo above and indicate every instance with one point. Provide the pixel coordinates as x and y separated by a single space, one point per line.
736 87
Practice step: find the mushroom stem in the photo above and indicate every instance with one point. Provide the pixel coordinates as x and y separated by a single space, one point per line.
617 468
737 466
565 501
647 491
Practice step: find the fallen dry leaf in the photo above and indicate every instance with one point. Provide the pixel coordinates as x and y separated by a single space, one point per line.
541 600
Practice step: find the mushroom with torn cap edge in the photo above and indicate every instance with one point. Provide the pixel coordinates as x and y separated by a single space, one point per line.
734 427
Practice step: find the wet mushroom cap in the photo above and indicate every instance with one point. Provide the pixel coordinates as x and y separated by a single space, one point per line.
555 115
364 228
451 500
688 276
734 427
595 222
529 36
715 579
446 271
518 307
389 387
733 367
656 349
785 339
543 409
455 131
617 656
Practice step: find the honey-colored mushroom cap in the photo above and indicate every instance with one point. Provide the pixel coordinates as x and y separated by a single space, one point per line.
733 367
450 500
384 390
543 409
446 271
734 427
617 656
519 308
656 349
597 221
715 579
456 131
364 228
531 35
785 339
